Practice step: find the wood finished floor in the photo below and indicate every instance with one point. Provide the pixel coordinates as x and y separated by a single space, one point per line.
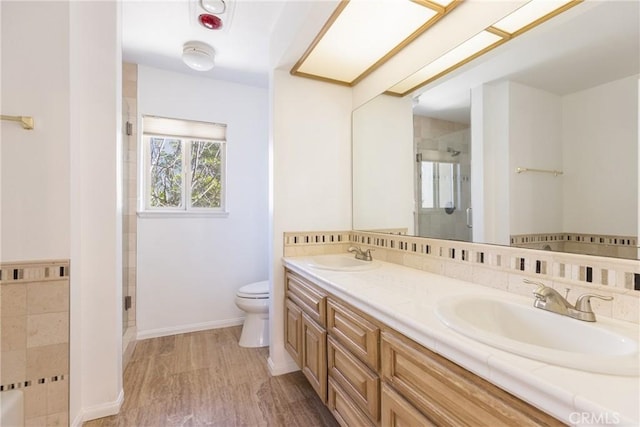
206 378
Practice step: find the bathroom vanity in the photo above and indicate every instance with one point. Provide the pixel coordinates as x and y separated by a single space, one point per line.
371 345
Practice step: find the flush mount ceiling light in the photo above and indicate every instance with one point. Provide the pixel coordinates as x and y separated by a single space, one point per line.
214 6
361 35
198 56
528 16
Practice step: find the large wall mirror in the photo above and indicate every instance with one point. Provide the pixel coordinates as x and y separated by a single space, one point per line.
534 144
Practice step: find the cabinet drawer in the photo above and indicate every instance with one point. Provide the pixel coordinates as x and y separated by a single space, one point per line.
308 297
448 394
345 411
354 332
397 412
355 378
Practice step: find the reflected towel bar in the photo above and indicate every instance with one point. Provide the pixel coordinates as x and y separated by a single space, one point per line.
25 121
554 172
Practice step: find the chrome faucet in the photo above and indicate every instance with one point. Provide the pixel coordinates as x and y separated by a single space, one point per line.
549 299
360 254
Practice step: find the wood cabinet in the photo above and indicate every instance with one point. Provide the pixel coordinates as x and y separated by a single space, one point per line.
353 330
293 331
446 393
359 382
314 355
345 411
397 412
305 335
371 375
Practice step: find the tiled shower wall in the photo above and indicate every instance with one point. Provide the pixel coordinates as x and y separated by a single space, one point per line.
500 267
34 334
129 224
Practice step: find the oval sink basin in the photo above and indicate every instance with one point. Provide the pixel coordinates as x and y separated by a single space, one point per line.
541 335
340 262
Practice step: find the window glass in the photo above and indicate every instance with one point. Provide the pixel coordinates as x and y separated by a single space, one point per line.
206 174
166 172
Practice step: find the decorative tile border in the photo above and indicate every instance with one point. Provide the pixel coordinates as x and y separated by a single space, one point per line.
594 239
316 238
33 271
620 274
30 383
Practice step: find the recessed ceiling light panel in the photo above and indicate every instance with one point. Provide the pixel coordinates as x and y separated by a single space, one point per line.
456 57
528 14
362 34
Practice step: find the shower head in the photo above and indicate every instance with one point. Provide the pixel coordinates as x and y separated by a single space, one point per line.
452 151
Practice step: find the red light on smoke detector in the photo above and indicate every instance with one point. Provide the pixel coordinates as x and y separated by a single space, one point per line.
210 21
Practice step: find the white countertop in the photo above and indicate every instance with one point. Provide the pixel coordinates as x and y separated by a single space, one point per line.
405 299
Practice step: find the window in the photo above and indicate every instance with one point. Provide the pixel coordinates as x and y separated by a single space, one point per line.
184 164
439 185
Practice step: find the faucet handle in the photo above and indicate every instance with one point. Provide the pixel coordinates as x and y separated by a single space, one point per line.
539 292
583 303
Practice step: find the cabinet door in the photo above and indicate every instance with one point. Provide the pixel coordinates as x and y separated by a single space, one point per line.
314 355
397 412
293 331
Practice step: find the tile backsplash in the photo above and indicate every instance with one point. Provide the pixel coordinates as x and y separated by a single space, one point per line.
501 267
34 338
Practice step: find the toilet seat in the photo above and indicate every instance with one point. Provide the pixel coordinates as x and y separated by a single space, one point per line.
257 290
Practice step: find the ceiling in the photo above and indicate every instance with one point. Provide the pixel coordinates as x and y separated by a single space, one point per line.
593 43
153 33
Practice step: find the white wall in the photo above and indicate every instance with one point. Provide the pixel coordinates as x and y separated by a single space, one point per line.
383 195
35 163
96 209
601 158
310 175
189 269
535 141
59 191
490 145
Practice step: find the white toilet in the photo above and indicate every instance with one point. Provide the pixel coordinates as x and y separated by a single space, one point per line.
253 299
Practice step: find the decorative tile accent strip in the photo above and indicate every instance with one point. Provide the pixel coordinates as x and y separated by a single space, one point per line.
315 237
33 271
588 244
30 383
601 239
584 268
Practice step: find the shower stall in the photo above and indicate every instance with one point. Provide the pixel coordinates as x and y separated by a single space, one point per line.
442 179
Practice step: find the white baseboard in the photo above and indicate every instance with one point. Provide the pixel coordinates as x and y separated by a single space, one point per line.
99 411
281 369
182 329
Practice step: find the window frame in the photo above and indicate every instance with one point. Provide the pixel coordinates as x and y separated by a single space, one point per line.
186 208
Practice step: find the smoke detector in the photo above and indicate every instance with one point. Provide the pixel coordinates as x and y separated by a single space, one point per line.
198 55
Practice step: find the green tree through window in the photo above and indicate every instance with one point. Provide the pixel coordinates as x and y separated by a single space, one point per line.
185 165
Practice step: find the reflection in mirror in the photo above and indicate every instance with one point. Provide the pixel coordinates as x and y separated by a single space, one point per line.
560 101
442 177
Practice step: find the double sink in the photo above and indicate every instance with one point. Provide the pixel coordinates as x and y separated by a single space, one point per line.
507 324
